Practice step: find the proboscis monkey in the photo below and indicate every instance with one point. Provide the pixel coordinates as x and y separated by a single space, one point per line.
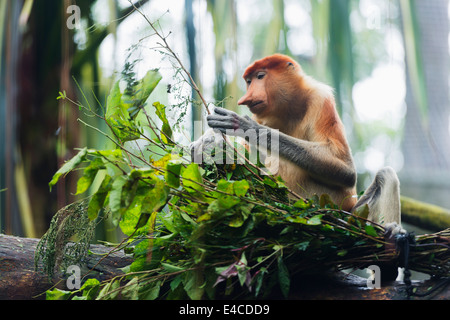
315 157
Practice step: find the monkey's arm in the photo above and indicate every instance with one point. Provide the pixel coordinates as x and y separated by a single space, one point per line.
316 158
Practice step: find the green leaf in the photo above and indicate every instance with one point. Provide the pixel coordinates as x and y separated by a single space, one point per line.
166 129
237 221
226 197
131 289
118 117
147 202
259 280
156 198
241 187
90 289
193 284
134 99
171 268
114 103
283 277
172 174
242 270
86 180
90 283
110 155
151 292
69 166
176 282
370 230
315 221
115 195
143 220
192 179
89 175
62 95
131 218
147 85
143 174
362 211
225 186
140 256
98 199
57 294
109 291
302 246
204 217
325 201
302 204
297 219
268 181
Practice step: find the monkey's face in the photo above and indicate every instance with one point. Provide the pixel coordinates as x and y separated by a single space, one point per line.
256 98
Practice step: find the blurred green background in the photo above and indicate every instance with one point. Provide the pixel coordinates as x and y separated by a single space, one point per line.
388 61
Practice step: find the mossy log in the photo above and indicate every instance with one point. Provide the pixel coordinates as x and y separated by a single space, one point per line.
424 215
20 281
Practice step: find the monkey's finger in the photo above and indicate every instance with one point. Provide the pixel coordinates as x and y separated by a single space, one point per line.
222 111
218 124
220 118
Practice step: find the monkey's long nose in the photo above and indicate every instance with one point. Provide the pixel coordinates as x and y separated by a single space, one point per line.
246 100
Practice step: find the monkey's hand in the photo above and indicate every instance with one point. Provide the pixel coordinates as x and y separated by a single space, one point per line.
230 123
201 148
392 229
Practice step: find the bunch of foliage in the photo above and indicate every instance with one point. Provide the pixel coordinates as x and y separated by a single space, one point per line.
205 231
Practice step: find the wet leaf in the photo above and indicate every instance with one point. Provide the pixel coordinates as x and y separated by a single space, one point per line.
172 174
325 201
98 199
69 166
283 277
89 174
57 294
240 188
362 211
226 197
192 179
315 221
370 230
166 132
115 196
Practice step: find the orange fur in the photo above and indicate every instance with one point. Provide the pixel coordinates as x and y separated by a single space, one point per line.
292 102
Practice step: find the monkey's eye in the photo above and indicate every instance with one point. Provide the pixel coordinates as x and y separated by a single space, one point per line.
260 75
249 81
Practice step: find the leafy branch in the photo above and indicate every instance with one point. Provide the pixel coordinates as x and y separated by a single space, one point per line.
166 46
210 231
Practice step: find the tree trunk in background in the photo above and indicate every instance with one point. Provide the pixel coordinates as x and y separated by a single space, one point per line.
40 79
9 96
426 173
193 67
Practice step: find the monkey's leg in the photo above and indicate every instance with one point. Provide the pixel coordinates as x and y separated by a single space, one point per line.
383 199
